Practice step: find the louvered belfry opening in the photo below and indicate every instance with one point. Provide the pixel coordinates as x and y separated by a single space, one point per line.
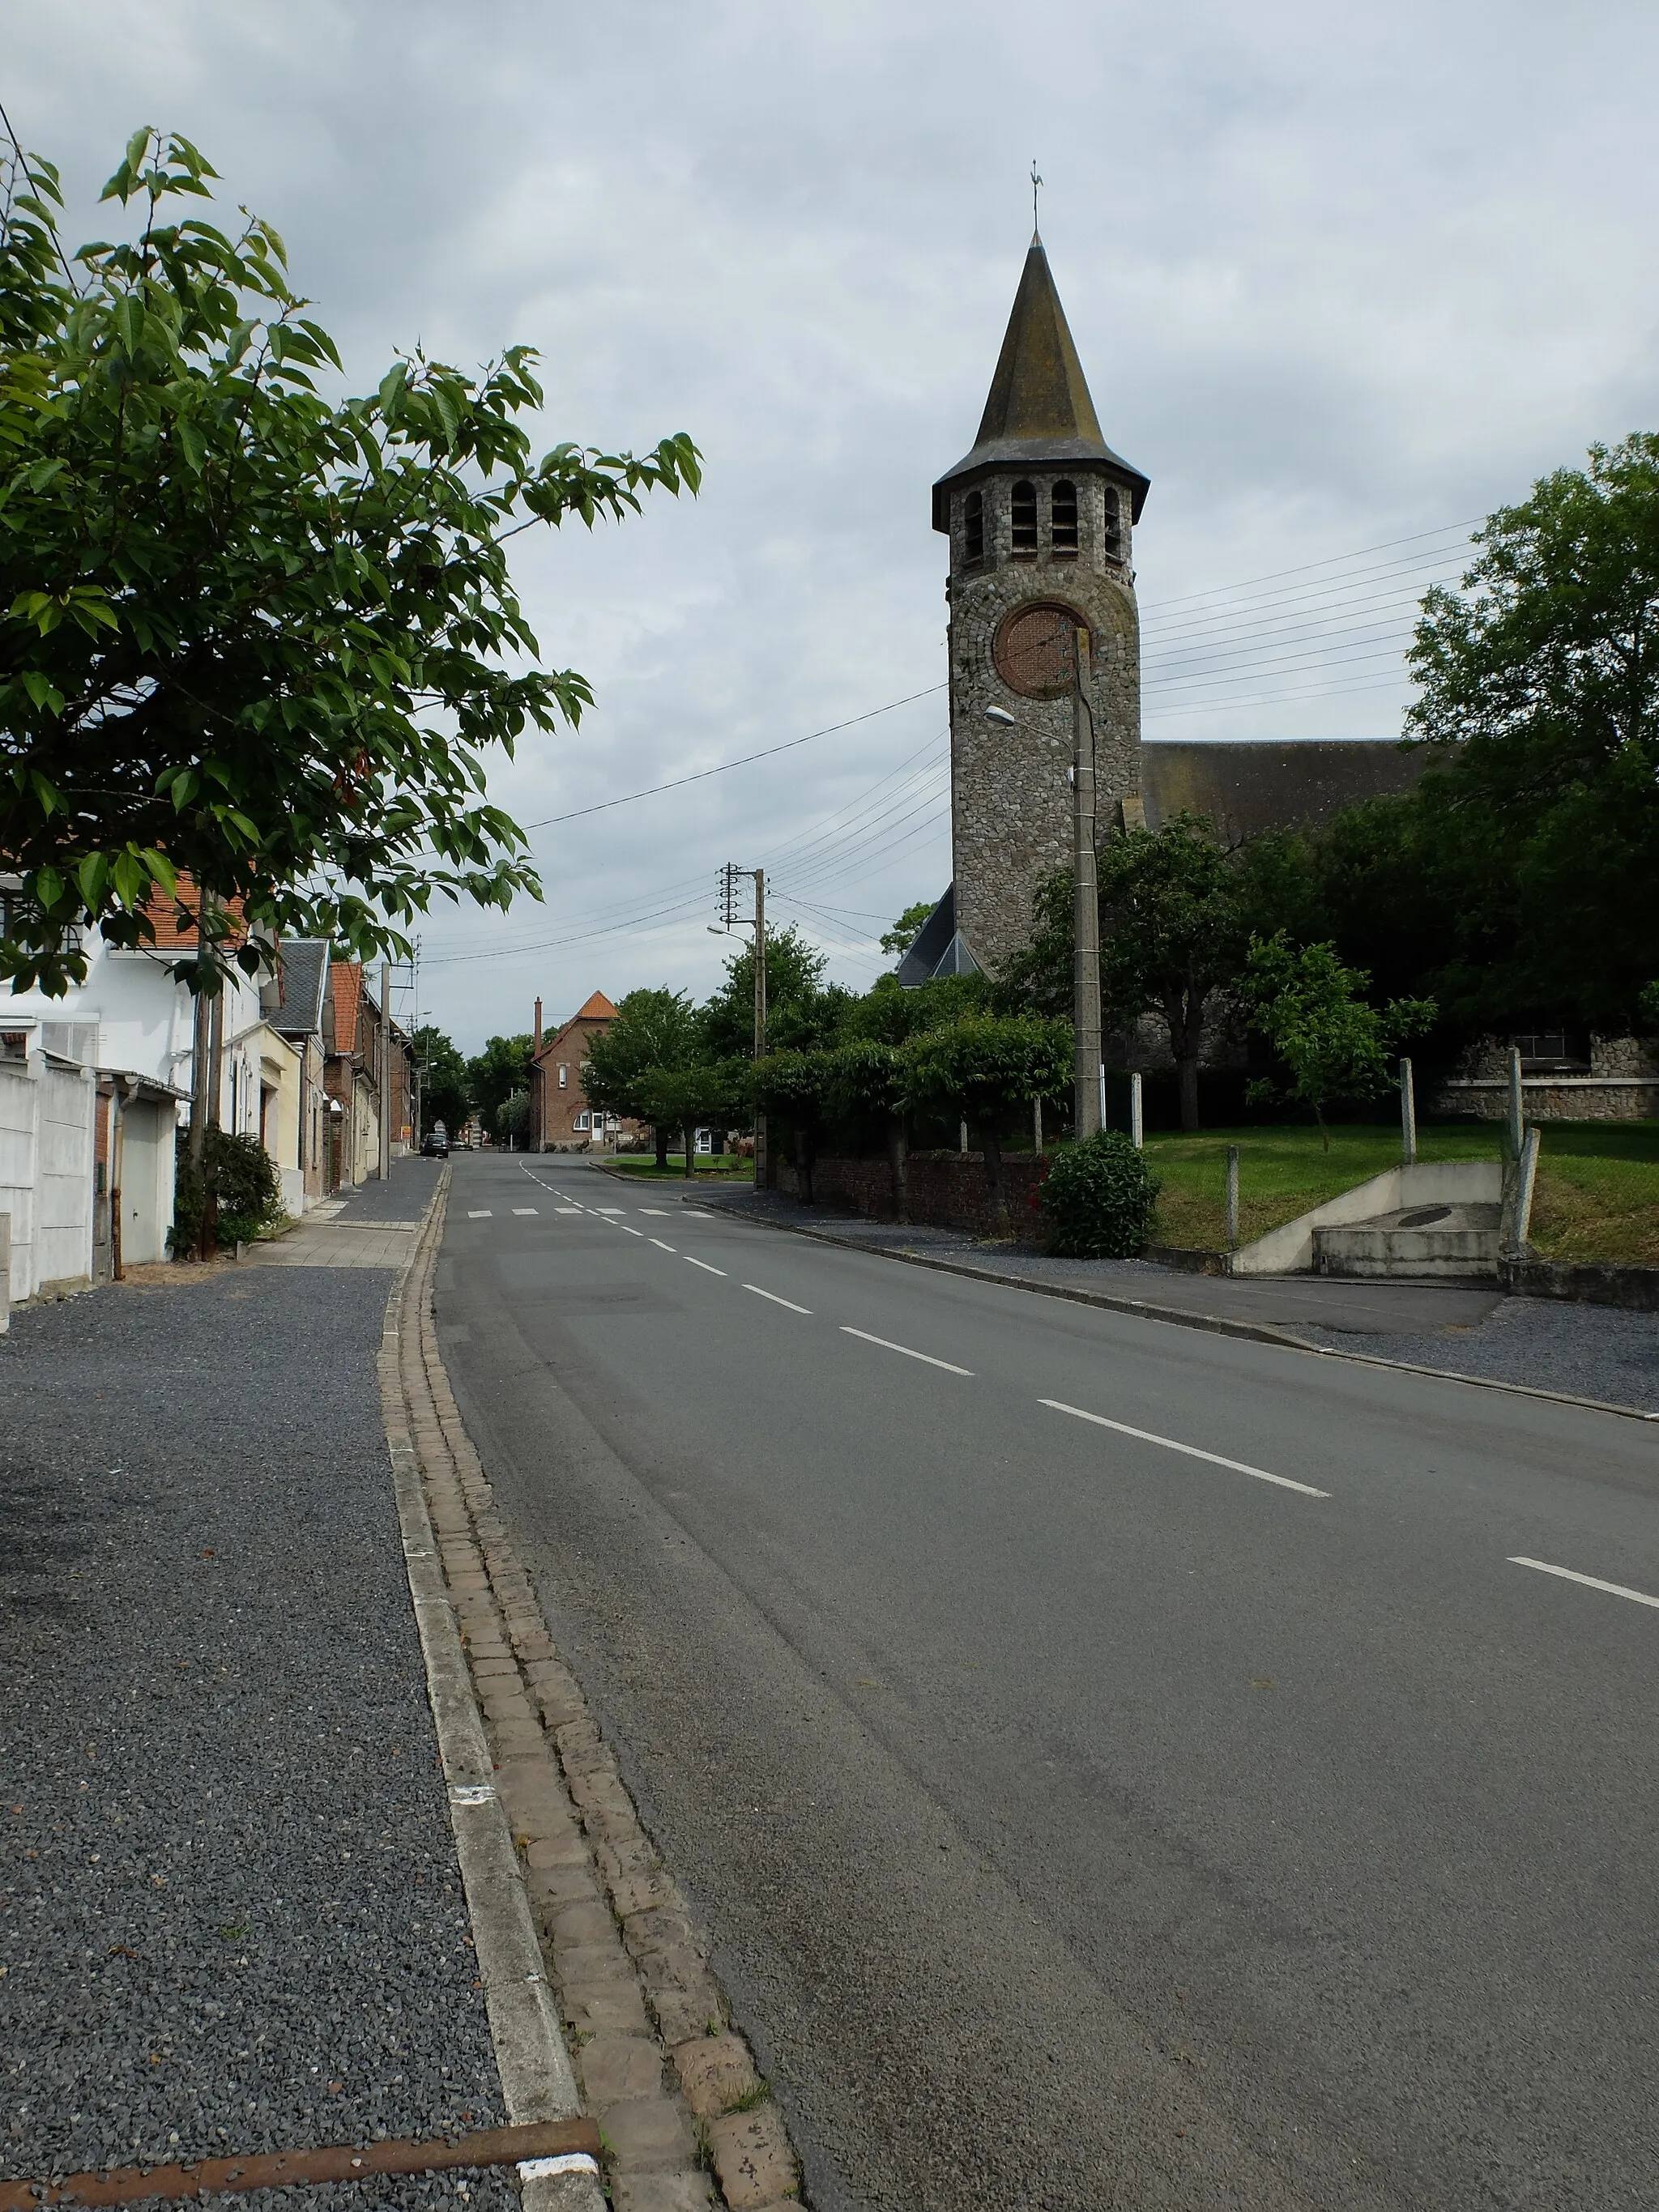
973 529
1022 518
1062 520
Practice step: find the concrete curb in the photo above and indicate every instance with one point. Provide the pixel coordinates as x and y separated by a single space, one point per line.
1181 1317
536 2077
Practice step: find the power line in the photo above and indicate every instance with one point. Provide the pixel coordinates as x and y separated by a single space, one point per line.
1333 561
722 768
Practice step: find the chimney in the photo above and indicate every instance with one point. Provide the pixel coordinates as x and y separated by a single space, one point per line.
538 1025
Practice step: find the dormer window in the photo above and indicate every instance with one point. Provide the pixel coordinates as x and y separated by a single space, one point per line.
973 528
1062 521
1113 512
1023 516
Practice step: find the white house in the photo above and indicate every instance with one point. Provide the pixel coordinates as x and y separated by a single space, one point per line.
94 1087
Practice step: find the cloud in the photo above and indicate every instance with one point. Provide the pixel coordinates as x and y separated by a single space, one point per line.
1337 276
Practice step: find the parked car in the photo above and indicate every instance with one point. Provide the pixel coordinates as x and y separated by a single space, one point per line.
436 1147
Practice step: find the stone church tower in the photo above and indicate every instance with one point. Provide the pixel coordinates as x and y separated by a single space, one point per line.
1040 517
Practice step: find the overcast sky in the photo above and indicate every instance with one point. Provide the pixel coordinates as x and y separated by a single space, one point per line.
1339 278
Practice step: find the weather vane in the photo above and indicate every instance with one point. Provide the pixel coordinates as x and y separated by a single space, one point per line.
1036 185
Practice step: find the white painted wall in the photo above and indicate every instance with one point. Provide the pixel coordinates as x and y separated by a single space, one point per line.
47 1114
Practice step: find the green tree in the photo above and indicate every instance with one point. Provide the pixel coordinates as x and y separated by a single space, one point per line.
704 1094
906 930
982 1068
445 1093
494 1074
867 1084
247 632
1172 934
655 1033
794 1086
1540 696
1314 1013
799 1012
512 1119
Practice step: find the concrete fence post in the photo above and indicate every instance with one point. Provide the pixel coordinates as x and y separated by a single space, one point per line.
1232 1198
1037 1127
1407 1115
5 1273
1526 1182
1136 1116
1518 1117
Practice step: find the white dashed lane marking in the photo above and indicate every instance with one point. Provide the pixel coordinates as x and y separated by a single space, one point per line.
1189 1451
477 1213
776 1300
1589 1582
524 1209
926 1357
704 1264
567 1209
660 1246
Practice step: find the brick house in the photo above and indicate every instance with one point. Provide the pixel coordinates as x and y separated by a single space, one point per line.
561 1119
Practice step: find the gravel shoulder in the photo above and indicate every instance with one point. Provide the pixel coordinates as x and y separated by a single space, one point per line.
231 1917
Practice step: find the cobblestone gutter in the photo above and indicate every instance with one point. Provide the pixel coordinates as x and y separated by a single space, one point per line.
680 2106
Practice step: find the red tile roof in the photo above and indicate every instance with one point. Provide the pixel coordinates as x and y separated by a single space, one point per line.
598 1008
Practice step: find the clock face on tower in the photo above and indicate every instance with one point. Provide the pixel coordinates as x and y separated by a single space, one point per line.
1036 649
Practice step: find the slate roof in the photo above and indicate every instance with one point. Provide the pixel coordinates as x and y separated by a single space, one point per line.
1039 411
1246 786
303 967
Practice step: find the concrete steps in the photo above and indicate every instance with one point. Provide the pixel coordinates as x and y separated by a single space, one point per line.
1450 1240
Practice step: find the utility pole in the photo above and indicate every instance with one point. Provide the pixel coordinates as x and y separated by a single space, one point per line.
730 876
1085 916
385 1068
761 1160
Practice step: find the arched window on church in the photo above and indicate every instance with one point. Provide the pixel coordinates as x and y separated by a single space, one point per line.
1112 512
973 528
1062 520
1022 518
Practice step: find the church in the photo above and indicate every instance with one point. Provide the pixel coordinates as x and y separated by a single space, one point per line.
1041 516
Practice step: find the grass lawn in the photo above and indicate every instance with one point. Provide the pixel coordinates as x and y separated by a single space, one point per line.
1598 1191
1598 1196
1282 1172
725 1167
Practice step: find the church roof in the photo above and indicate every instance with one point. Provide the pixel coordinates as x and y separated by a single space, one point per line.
1247 785
1039 411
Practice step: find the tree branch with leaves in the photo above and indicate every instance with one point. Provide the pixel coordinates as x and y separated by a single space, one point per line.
249 636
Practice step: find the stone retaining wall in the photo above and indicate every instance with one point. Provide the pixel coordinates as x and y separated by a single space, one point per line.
1596 1284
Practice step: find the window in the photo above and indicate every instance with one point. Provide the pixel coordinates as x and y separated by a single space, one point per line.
581 1121
1024 518
1113 517
1062 520
973 528
1564 1049
564 1076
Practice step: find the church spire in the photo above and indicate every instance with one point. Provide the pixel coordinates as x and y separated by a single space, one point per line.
1039 390
1039 412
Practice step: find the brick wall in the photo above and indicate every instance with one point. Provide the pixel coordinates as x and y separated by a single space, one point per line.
947 1192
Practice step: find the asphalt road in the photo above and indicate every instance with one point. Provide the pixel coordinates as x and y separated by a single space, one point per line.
1195 1805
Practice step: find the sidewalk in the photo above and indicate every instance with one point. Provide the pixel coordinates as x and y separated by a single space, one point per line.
231 1917
1599 1352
